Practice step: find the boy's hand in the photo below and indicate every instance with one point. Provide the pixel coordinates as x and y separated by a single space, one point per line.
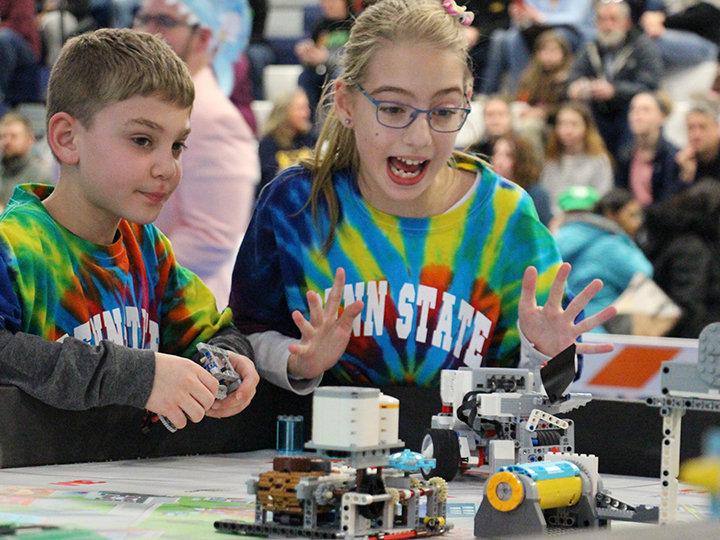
244 393
550 328
181 389
325 336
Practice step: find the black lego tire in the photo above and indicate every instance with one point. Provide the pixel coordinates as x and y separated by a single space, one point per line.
446 452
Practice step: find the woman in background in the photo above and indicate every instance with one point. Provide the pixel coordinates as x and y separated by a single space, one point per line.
515 158
648 167
287 137
576 154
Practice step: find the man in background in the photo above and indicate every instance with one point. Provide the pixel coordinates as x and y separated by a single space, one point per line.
207 215
18 163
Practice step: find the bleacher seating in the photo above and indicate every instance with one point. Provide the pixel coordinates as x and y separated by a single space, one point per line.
261 109
279 79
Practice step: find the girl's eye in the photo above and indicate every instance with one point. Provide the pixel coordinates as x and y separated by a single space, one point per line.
444 112
392 109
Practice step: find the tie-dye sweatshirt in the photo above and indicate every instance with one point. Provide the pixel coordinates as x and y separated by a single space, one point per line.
438 292
56 285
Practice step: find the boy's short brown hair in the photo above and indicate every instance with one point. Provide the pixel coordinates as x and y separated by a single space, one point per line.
111 65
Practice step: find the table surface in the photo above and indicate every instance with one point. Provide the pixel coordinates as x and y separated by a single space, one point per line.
181 497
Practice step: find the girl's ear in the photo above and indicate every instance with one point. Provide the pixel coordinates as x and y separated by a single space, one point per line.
62 134
343 98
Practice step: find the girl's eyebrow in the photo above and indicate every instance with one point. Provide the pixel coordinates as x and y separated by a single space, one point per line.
408 93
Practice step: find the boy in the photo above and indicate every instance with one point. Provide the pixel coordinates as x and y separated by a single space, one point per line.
82 263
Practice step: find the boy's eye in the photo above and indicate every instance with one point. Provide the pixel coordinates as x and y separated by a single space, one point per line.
178 148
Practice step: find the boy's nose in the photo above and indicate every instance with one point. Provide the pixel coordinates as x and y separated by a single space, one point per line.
165 167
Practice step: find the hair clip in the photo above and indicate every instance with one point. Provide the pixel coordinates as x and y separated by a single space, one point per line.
463 15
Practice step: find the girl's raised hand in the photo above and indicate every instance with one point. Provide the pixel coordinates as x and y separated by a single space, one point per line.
325 337
550 328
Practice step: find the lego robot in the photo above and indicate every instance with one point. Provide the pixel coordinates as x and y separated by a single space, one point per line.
502 416
563 491
349 491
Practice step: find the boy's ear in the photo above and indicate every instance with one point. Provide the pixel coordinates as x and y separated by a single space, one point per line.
343 102
61 136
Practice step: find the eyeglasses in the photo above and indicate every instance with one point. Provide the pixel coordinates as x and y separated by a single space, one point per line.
161 21
399 115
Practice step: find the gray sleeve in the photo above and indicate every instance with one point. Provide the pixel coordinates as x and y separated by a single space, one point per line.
230 339
73 375
271 359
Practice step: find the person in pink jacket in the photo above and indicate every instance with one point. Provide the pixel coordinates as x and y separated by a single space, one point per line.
207 215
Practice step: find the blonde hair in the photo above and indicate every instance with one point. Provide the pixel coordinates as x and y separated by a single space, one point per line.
394 21
111 65
276 125
592 142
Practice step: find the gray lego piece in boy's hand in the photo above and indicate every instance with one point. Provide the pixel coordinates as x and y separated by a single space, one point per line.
216 362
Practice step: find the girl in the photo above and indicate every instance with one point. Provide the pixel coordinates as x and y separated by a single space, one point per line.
575 154
434 244
286 137
514 157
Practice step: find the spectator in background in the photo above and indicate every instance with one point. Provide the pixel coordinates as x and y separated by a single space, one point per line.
124 12
56 25
287 137
544 81
701 156
575 154
241 95
596 238
543 84
515 158
647 166
684 246
19 41
320 54
609 71
490 15
510 49
18 163
61 19
687 35
497 121
206 216
259 52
